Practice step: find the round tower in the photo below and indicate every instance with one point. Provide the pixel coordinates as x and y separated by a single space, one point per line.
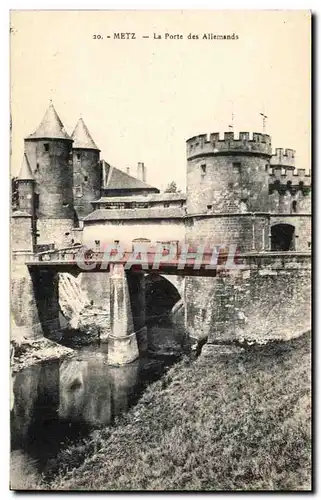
86 170
49 151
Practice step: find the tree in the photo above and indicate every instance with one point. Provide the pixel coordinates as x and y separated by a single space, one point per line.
171 187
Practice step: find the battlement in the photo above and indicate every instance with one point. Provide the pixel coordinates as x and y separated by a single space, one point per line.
246 143
283 176
283 157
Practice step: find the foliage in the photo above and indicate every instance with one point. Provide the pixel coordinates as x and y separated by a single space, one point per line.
171 188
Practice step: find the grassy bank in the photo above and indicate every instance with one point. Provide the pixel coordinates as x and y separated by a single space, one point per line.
238 422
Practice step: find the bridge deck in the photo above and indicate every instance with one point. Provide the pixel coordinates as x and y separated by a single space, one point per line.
71 262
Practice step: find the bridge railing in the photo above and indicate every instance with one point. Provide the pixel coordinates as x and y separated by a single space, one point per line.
83 257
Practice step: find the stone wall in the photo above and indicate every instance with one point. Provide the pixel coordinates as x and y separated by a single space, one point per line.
57 231
252 304
21 232
221 230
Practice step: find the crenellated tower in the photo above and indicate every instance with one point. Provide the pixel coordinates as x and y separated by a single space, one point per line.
87 171
227 180
289 188
227 174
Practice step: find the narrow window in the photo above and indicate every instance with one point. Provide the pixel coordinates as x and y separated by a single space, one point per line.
294 206
203 168
166 205
78 156
209 207
85 178
46 146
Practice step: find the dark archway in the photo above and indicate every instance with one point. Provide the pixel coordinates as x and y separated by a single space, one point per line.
161 296
282 237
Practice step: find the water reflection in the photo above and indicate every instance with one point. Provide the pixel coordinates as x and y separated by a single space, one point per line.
93 392
59 402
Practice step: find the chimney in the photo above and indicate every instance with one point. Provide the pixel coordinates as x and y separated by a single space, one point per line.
128 170
141 171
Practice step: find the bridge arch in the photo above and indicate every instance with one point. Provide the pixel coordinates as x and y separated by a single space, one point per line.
161 295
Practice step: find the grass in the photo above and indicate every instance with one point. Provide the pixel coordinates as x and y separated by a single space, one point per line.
237 422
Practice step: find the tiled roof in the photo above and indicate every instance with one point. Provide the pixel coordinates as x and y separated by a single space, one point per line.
116 179
51 127
153 197
25 173
81 136
140 213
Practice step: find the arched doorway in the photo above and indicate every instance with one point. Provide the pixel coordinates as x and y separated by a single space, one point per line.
282 237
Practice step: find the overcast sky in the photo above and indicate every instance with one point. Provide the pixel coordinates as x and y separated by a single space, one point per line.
141 99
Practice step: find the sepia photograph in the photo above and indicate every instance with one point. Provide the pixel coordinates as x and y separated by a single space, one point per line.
160 250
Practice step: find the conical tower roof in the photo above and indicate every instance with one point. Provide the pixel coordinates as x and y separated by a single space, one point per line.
51 126
82 138
25 173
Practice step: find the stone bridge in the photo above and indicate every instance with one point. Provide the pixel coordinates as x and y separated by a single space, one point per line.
266 295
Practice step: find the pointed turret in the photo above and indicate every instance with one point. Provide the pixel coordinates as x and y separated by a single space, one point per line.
51 127
25 173
82 138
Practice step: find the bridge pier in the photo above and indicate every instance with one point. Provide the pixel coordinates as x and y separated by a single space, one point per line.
46 291
34 302
136 285
25 320
122 342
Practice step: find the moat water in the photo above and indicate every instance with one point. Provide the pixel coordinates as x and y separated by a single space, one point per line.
58 403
